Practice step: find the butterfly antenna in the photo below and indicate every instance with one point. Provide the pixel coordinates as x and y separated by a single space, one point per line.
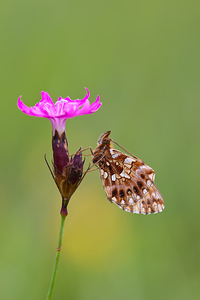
124 149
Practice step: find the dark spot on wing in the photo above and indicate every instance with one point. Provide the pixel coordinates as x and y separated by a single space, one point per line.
136 190
121 193
140 184
114 193
100 163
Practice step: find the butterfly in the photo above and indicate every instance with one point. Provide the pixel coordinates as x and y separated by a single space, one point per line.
126 179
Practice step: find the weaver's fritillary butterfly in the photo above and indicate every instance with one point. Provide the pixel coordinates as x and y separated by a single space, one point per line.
127 181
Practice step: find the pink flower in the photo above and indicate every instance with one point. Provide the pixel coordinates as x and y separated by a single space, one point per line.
62 110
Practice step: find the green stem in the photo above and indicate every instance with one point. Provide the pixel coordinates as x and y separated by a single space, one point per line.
57 257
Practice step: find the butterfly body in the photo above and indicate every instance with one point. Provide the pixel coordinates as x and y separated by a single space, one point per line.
127 180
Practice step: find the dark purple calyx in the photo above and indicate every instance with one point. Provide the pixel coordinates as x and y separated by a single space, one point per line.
67 173
60 152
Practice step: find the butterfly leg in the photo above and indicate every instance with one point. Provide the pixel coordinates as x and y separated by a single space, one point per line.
88 148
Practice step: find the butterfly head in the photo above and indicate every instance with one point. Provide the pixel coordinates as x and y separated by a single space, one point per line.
104 138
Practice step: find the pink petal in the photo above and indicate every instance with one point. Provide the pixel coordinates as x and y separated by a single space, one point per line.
60 111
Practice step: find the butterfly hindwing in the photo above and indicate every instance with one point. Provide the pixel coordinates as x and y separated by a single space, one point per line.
128 181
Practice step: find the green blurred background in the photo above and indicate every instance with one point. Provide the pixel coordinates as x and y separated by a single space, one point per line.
142 58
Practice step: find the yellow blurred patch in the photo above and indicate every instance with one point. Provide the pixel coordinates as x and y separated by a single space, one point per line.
91 232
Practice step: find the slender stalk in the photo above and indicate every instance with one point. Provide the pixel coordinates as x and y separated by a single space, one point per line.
57 257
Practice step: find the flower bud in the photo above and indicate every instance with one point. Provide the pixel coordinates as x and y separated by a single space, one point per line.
67 174
76 168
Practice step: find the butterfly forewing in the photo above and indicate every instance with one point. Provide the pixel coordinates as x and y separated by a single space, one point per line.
127 181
